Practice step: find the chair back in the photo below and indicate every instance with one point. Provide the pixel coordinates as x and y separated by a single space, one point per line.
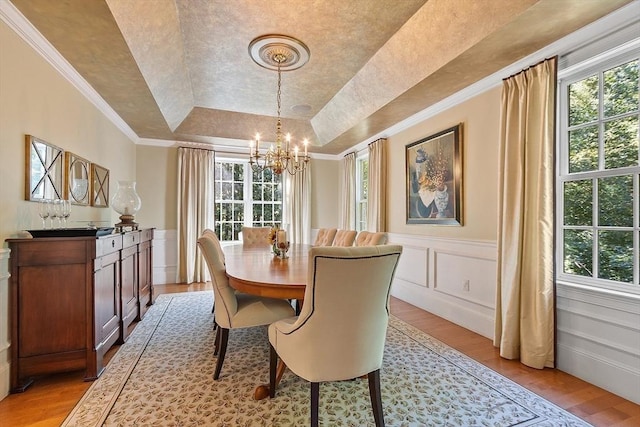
343 323
257 237
226 303
367 238
345 238
211 234
325 237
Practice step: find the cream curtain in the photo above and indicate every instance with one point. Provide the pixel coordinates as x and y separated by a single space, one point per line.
347 220
524 326
377 197
298 205
195 210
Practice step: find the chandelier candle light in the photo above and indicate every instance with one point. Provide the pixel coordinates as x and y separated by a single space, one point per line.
281 53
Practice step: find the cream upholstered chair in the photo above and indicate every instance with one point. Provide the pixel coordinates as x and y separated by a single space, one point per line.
367 238
256 237
325 237
210 233
341 330
235 309
344 237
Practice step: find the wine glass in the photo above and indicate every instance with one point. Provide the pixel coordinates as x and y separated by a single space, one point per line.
43 211
66 211
55 212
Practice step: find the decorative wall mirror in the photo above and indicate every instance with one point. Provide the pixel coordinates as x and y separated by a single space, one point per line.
77 182
44 170
99 186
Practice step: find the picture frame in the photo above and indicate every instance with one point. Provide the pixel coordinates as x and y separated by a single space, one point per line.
434 178
99 186
77 182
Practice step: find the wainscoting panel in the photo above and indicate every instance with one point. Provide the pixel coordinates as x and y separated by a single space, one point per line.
5 357
165 256
460 279
599 338
412 267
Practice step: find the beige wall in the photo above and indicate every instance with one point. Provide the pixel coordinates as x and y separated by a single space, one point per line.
157 184
36 100
480 118
325 190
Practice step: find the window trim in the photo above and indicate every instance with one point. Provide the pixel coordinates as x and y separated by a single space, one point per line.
595 65
361 157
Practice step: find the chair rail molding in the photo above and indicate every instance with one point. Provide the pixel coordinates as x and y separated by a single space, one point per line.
452 278
5 366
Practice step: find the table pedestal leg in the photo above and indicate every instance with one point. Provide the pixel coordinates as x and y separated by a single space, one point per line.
262 391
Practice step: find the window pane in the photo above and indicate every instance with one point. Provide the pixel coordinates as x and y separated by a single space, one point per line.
621 89
578 257
268 213
226 231
238 212
226 192
621 143
615 201
257 212
583 101
227 172
257 191
583 149
268 192
616 255
238 191
238 172
227 212
578 202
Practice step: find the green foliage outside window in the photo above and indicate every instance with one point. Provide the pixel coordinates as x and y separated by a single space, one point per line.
598 192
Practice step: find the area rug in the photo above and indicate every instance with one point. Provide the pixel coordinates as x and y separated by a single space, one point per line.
163 376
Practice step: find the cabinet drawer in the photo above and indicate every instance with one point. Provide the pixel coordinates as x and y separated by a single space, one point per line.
108 244
146 234
131 238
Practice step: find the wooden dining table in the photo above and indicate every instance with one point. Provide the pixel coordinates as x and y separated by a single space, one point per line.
257 271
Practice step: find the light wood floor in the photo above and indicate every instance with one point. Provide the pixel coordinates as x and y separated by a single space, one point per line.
48 401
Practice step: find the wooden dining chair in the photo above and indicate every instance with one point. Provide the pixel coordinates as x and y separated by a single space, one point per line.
256 237
233 309
341 330
367 238
344 237
325 237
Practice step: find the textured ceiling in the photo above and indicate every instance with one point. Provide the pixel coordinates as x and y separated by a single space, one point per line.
179 70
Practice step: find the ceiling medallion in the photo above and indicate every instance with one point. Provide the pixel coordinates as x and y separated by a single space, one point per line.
279 53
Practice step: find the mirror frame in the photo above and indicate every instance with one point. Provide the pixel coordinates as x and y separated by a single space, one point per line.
99 186
72 163
53 174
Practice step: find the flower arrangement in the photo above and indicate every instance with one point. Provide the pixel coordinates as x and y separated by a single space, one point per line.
272 236
278 240
435 171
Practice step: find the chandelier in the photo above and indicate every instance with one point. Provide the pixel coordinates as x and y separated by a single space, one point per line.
280 53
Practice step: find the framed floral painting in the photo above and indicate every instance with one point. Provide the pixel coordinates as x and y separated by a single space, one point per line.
434 178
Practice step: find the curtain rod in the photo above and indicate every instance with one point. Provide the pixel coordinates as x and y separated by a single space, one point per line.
554 58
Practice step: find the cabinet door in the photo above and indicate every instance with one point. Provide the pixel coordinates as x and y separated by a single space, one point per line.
107 300
144 276
129 288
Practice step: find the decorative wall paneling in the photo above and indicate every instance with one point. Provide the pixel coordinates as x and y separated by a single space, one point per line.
599 338
165 256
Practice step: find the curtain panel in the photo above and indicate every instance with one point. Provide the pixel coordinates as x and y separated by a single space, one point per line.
298 205
524 324
377 197
195 210
347 220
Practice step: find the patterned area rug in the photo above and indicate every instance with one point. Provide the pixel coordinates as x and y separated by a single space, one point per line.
163 376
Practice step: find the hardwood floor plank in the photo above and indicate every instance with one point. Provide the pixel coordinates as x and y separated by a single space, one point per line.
48 401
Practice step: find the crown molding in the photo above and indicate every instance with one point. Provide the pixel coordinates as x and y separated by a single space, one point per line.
11 16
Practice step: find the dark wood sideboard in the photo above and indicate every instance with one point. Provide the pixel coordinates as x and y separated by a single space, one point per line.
73 298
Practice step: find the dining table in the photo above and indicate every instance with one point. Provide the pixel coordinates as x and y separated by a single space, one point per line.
257 271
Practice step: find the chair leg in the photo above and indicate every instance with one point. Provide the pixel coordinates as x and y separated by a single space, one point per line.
273 363
224 337
376 397
216 342
315 401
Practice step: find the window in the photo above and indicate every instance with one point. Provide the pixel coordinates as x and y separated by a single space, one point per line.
244 197
362 192
599 175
